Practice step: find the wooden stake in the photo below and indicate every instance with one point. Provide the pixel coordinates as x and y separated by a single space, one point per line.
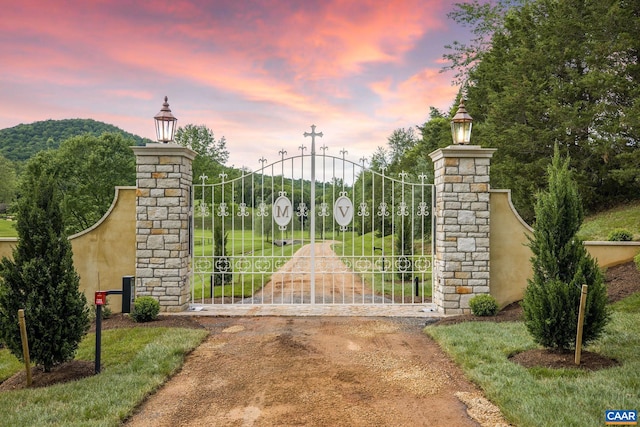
583 300
25 345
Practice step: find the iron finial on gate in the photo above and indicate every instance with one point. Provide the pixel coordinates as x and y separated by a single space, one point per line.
324 148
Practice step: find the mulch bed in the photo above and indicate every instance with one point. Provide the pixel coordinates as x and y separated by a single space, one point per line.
65 372
116 321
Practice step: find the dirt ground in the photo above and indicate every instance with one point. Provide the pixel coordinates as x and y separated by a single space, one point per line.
314 372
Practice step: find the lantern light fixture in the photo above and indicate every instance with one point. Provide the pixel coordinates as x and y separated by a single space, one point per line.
165 123
461 126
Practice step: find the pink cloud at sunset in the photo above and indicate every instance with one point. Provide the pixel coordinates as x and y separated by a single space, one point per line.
247 69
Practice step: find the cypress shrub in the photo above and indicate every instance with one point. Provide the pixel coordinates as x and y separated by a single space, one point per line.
561 265
42 280
404 248
222 269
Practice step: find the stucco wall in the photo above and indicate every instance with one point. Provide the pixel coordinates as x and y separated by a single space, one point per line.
609 254
6 246
105 252
511 257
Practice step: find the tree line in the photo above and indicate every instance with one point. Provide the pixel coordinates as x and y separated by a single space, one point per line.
539 73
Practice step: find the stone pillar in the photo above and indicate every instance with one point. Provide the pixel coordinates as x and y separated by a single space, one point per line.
461 262
163 196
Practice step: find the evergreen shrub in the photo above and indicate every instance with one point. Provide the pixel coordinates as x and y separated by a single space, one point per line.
561 265
620 235
41 278
404 247
483 305
222 269
636 259
145 309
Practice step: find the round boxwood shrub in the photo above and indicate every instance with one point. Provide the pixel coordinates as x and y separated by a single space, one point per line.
636 259
483 305
145 309
620 235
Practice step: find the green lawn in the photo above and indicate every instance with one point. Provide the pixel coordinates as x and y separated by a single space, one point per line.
354 249
7 228
548 397
136 361
248 279
598 227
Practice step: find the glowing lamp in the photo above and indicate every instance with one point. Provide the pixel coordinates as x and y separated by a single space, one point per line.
165 123
461 126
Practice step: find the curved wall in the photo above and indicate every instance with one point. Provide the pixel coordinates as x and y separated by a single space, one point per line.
105 252
511 257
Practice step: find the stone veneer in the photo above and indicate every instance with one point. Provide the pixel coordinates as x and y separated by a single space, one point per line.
163 177
461 263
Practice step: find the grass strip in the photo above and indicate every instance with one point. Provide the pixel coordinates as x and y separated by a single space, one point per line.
7 228
546 397
136 362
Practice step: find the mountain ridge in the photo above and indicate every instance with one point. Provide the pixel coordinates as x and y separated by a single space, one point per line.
20 142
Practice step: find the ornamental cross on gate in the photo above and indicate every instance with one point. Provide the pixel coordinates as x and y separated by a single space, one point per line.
313 134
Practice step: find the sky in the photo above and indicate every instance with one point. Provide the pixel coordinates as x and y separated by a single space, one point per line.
259 73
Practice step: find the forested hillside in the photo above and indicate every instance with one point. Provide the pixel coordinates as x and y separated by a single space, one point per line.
21 142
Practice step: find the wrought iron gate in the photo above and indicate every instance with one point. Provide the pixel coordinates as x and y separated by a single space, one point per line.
312 229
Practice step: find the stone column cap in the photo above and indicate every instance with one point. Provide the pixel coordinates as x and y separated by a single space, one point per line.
158 149
468 151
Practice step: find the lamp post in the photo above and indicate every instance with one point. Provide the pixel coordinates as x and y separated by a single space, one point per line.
461 125
165 123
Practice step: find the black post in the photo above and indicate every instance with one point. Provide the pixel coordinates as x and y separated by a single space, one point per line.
417 286
98 336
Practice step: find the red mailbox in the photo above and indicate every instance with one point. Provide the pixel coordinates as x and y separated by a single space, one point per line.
101 297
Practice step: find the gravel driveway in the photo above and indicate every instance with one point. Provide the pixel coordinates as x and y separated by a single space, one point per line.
316 371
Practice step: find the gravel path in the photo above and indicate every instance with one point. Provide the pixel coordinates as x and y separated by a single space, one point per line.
279 371
335 283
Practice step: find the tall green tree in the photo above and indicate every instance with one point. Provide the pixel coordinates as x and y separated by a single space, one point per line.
561 265
484 19
212 152
560 72
87 168
41 280
399 142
